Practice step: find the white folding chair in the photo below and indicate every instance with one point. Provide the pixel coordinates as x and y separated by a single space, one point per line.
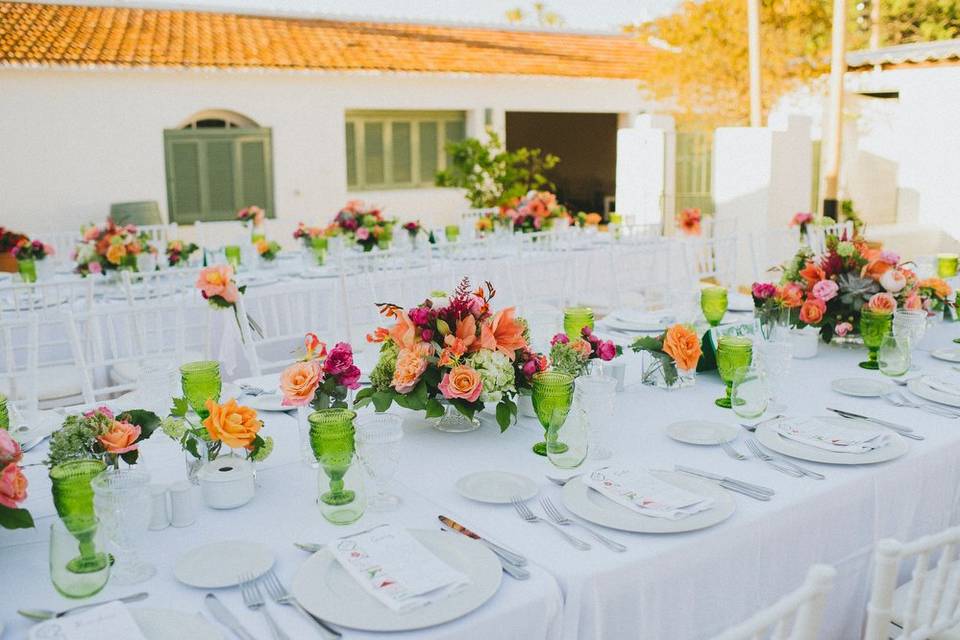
770 249
817 235
20 360
63 243
47 299
712 260
803 608
928 605
169 285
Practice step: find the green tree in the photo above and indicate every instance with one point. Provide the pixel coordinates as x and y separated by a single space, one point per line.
541 15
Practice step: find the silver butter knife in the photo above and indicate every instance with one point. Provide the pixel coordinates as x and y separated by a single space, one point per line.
755 488
225 617
906 432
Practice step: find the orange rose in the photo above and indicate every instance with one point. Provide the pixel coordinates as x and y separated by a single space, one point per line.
410 366
116 253
299 382
232 424
791 295
683 345
882 303
812 311
461 382
875 268
121 438
940 288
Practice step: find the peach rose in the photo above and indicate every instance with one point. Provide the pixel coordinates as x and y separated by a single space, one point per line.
882 303
116 253
461 382
811 312
299 382
9 448
940 288
13 486
582 347
791 295
233 425
217 280
913 302
683 345
121 438
410 366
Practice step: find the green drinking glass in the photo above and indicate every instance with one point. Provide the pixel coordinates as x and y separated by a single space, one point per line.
28 270
452 232
713 303
319 247
947 264
201 382
575 319
552 397
873 327
733 352
73 499
64 537
257 235
232 254
4 413
332 442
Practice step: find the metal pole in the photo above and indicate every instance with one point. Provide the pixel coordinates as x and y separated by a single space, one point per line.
874 24
753 39
838 66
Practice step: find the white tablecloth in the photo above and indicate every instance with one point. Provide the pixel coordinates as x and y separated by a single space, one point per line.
680 586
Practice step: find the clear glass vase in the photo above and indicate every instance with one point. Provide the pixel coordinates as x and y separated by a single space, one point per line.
452 421
595 395
654 375
121 499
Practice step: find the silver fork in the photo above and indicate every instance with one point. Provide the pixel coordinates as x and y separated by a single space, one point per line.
787 463
254 601
730 451
280 595
557 516
896 398
524 512
771 461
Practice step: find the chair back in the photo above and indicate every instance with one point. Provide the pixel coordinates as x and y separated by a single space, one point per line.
712 260
817 235
771 249
145 288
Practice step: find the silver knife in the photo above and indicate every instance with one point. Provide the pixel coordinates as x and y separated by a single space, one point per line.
714 476
744 491
225 617
906 432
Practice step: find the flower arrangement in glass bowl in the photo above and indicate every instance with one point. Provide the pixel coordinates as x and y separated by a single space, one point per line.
27 249
110 247
13 485
536 211
179 252
675 354
367 227
308 234
251 215
99 434
457 352
574 357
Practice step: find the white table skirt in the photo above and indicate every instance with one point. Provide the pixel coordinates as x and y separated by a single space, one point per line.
681 586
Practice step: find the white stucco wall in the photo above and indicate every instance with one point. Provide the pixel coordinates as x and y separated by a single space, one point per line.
73 141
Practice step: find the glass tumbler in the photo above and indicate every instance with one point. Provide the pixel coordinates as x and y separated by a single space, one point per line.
775 358
893 356
911 324
342 499
733 352
121 499
70 579
552 397
232 254
596 395
713 303
749 394
451 232
201 382
873 328
575 319
568 437
947 264
378 440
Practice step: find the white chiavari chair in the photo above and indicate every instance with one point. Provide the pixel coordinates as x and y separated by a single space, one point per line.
46 298
796 616
817 235
770 249
650 274
157 234
928 605
712 260
141 288
20 361
63 243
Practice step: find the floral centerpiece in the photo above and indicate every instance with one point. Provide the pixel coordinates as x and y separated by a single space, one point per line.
100 434
935 295
27 253
267 249
584 219
110 247
574 357
414 228
536 211
320 379
675 354
367 227
251 216
179 252
802 220
9 239
459 352
308 235
13 485
689 221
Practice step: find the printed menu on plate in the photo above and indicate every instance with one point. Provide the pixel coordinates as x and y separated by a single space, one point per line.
111 620
646 494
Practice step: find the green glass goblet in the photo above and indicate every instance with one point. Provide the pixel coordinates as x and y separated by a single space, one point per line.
575 319
332 442
713 303
4 413
873 327
552 397
92 576
319 247
73 500
733 352
947 264
232 254
452 232
28 270
200 381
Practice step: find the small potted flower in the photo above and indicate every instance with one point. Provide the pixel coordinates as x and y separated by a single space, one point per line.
253 217
314 241
413 229
802 220
689 220
100 434
179 253
267 251
575 357
28 254
673 357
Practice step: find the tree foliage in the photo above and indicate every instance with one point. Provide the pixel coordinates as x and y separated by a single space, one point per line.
541 16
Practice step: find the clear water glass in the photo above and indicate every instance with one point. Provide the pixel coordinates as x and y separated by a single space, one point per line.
750 394
122 502
775 358
596 396
157 383
69 578
378 439
893 357
568 437
910 324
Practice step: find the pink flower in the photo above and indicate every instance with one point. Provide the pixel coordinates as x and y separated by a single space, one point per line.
102 410
825 290
350 378
48 249
560 338
882 303
607 350
13 486
9 448
843 329
91 234
913 302
217 280
339 360
582 347
529 368
893 281
763 290
461 382
410 366
95 268
890 257
801 219
363 233
419 315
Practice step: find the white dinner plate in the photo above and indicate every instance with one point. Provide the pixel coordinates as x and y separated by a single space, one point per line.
739 302
220 564
769 437
496 487
950 354
167 624
646 325
31 424
921 389
266 402
327 591
860 387
594 507
701 432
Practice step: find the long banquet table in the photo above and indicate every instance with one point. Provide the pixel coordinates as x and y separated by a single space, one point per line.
677 586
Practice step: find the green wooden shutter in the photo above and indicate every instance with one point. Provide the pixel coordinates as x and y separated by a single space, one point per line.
373 153
351 154
221 188
183 177
255 182
400 152
428 151
454 131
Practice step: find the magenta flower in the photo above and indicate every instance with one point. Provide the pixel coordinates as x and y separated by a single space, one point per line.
339 360
825 290
607 350
419 316
560 338
350 378
763 290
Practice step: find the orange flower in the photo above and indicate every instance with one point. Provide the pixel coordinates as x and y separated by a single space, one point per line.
134 247
217 280
592 218
940 288
503 333
791 295
234 425
690 221
116 253
464 337
812 274
461 382
683 345
582 347
379 335
812 311
882 303
875 268
404 333
299 382
410 366
121 438
262 247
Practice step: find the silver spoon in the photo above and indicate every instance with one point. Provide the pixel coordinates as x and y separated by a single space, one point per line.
753 427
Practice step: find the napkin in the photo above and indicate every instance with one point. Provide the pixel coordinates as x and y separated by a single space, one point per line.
393 567
645 494
110 620
833 437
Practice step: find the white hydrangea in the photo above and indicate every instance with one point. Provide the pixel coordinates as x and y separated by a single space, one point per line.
496 372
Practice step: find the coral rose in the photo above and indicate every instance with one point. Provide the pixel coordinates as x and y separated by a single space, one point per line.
811 312
299 382
410 366
882 303
939 287
217 280
9 448
913 302
233 425
791 295
121 438
461 382
582 347
825 290
812 273
683 345
13 486
116 253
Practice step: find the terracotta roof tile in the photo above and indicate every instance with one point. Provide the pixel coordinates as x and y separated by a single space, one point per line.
83 35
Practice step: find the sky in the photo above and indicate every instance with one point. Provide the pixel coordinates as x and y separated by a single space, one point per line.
593 15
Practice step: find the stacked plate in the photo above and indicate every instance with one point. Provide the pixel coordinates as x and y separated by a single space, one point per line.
639 321
943 390
769 436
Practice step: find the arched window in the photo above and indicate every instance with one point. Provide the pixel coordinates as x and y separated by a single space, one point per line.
217 162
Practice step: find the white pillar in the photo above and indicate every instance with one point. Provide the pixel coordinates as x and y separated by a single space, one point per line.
645 169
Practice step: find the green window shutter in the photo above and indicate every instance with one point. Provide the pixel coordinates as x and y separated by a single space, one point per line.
255 182
220 182
454 131
400 152
183 180
351 154
428 151
373 159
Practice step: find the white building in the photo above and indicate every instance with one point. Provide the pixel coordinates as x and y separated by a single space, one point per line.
205 113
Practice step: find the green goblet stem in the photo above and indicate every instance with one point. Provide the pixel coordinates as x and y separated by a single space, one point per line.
552 397
200 381
232 254
733 352
873 327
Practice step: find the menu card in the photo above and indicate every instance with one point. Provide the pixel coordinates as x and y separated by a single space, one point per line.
646 494
111 620
833 437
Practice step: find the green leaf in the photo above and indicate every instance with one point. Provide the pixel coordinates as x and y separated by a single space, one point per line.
434 408
464 407
647 343
503 415
420 393
363 394
130 457
148 421
15 518
190 444
179 408
382 400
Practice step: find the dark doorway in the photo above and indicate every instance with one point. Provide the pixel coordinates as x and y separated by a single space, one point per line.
586 144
